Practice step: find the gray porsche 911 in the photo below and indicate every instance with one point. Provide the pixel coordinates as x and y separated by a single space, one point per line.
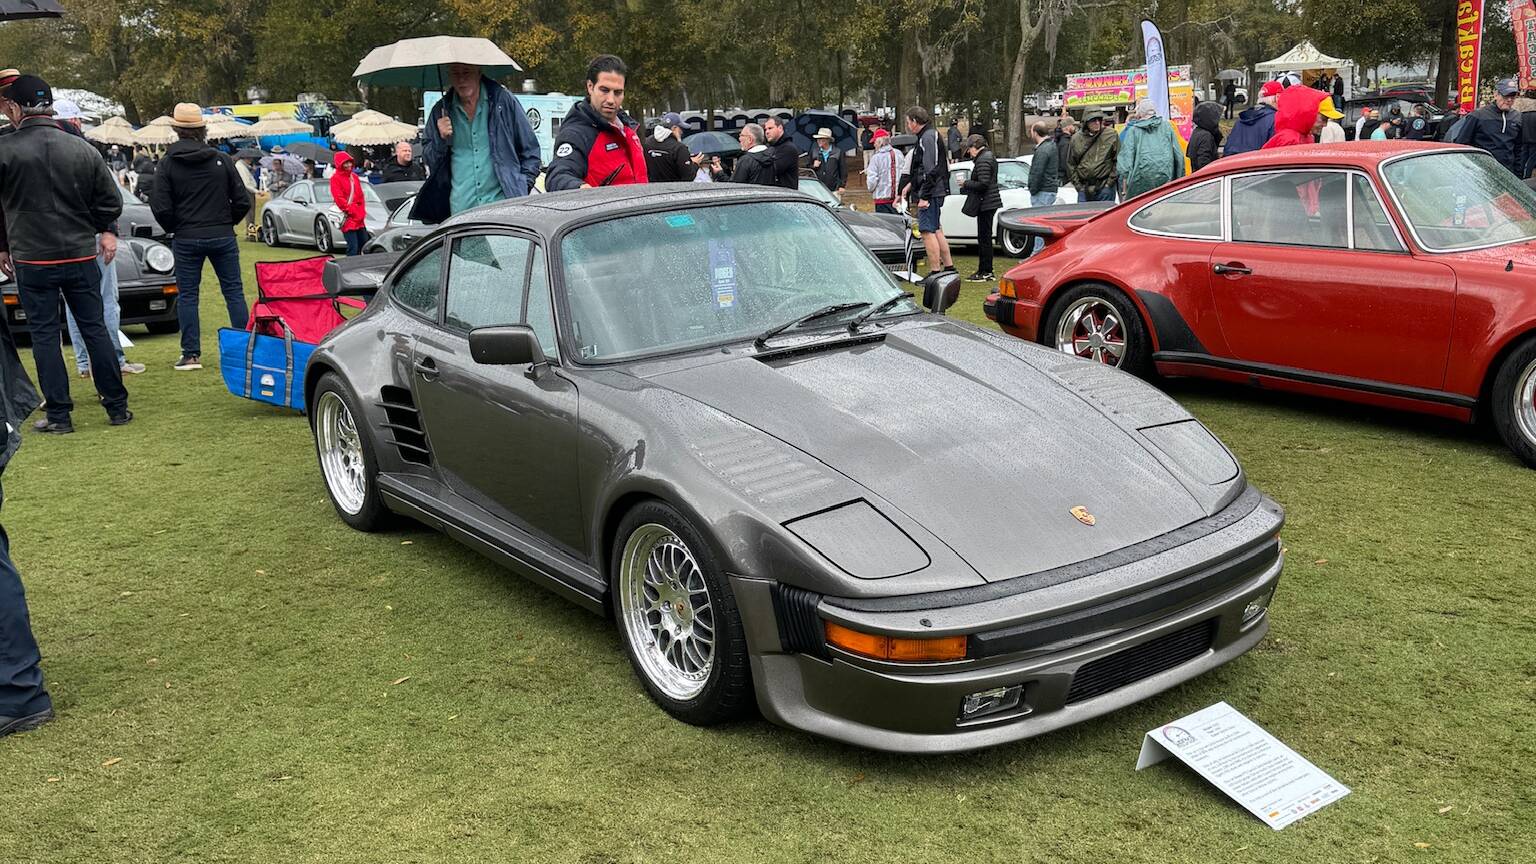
710 413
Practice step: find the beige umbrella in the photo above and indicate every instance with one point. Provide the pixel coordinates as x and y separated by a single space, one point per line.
418 62
371 128
278 123
162 120
155 133
113 130
222 127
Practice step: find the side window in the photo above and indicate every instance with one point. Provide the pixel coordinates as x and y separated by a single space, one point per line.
297 192
417 287
541 313
1012 175
486 275
1194 212
1296 208
955 179
1373 228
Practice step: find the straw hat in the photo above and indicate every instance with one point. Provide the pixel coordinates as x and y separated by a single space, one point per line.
823 134
188 116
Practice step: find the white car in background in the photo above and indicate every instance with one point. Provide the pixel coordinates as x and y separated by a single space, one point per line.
1013 184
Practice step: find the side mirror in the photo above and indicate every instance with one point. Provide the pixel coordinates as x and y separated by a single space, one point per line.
940 291
507 345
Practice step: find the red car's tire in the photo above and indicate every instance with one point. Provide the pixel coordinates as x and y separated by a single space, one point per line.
1099 322
1514 402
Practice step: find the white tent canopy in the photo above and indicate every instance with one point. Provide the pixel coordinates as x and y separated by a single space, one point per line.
1304 56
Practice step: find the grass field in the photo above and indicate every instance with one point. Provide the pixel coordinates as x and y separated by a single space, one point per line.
239 677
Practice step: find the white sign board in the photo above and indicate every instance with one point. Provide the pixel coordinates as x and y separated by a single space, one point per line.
1269 779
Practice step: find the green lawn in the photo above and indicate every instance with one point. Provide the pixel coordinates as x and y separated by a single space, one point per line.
239 677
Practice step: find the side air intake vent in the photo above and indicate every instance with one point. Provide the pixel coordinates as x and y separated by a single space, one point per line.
403 422
800 628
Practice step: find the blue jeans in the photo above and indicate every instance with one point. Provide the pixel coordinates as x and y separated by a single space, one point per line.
21 679
224 254
1040 199
112 314
79 284
355 240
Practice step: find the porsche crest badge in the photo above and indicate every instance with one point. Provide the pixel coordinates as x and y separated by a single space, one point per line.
1081 514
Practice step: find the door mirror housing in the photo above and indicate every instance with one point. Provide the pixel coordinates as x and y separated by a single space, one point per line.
505 345
940 291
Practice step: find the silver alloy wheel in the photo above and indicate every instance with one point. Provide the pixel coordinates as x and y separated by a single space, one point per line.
268 229
1091 328
323 239
341 453
667 611
1525 402
1014 244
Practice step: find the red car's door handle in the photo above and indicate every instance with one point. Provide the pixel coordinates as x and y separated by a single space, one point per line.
1233 269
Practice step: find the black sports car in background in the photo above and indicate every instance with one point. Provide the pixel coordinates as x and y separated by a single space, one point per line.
146 287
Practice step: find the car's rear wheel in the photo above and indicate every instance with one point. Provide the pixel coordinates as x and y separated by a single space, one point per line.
269 230
677 617
1514 402
323 239
1098 323
1015 244
346 456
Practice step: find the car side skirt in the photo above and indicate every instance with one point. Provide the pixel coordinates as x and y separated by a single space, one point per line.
428 502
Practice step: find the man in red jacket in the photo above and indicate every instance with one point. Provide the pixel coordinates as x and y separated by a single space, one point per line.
597 144
347 193
1300 115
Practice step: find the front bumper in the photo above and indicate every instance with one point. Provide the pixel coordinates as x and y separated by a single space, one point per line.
149 302
1123 652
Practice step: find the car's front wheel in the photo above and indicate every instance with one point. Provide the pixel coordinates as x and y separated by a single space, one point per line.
1015 244
1514 402
677 617
1098 323
323 239
269 230
346 456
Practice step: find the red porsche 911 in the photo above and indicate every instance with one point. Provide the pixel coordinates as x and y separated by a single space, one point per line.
1395 273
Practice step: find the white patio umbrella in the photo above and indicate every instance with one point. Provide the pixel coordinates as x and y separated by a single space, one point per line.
113 130
155 133
278 123
371 128
418 62
222 127
162 120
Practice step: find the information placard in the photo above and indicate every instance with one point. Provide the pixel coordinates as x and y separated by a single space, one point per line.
1269 779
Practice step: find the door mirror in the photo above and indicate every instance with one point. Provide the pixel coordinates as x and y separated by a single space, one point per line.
940 291
506 345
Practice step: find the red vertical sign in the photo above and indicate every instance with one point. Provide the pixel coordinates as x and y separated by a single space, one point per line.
1469 51
1522 19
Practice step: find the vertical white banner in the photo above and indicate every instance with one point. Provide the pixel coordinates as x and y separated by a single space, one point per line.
1157 68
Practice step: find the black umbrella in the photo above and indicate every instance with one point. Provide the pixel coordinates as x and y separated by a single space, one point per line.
845 136
712 144
17 10
312 151
248 153
903 140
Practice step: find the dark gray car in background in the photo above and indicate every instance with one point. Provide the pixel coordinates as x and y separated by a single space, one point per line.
712 414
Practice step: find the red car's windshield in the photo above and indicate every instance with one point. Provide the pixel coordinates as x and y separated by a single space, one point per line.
1461 200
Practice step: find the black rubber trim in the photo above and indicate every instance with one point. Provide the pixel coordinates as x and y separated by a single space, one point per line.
1173 332
800 628
1233 513
1139 662
1362 385
1000 310
1095 622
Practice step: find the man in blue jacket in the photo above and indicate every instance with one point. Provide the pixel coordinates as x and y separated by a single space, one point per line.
480 147
1495 127
1256 125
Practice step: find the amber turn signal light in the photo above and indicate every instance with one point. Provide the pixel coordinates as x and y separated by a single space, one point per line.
896 648
12 300
1006 288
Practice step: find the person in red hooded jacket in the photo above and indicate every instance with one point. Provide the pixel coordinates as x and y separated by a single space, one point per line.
347 193
1300 115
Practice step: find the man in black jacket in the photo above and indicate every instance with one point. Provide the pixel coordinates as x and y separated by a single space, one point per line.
827 162
983 198
1495 127
1205 140
403 167
199 198
667 159
930 183
57 196
786 156
755 164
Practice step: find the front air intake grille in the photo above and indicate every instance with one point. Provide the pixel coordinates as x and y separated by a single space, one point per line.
800 628
403 422
1141 661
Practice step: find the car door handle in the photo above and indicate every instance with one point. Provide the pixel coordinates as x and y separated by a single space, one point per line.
426 367
1233 269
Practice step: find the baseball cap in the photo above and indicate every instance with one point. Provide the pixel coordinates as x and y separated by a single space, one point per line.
1508 87
30 91
1325 108
671 118
1270 88
879 133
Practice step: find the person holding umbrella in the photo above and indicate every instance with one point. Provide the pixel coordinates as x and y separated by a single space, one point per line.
827 162
480 140
597 144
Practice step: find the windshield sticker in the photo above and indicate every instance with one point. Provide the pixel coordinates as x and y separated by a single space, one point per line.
722 273
680 220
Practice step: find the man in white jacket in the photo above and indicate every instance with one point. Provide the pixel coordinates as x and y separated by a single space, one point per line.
881 173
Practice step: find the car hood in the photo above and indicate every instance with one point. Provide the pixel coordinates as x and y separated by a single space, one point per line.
987 452
871 229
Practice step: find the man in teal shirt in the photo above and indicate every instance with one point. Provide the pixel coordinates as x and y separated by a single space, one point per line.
474 175
480 147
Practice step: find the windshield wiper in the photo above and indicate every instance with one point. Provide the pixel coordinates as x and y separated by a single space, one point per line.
762 341
853 326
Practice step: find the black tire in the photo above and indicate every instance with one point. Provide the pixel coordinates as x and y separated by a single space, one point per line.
1014 244
1514 410
160 328
727 691
371 514
1136 355
269 230
324 242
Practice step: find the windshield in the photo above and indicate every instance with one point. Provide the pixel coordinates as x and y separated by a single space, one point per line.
1462 201
662 282
816 189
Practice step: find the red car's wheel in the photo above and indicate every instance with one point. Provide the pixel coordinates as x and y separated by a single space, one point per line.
1514 402
1098 323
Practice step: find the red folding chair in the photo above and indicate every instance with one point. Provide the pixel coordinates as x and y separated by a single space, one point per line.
292 294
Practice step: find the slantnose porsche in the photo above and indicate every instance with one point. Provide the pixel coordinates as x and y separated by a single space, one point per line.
713 415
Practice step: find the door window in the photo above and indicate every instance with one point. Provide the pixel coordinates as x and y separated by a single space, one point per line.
541 312
417 288
1193 212
298 192
1295 208
1373 228
487 276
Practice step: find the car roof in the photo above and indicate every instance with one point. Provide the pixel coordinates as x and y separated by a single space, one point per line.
1349 154
551 212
